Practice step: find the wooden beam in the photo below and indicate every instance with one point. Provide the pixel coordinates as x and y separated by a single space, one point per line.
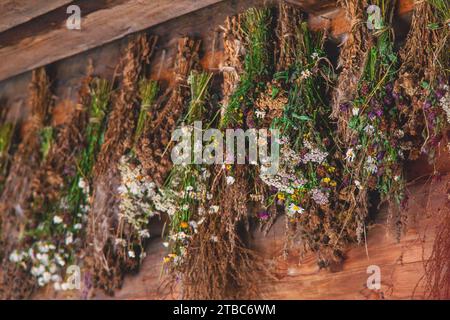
98 28
119 18
16 12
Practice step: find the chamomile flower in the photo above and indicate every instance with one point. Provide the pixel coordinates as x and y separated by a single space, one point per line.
350 155
294 209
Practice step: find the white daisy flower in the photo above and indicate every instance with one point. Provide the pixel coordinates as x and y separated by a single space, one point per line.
293 209
350 155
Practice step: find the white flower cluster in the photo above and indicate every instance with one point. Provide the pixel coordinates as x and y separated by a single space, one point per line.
319 196
305 74
136 198
371 165
83 185
46 262
164 202
286 179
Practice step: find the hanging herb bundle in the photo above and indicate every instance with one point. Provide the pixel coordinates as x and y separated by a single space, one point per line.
136 190
212 205
6 136
352 60
153 149
106 216
254 40
233 275
17 188
371 136
309 176
247 67
57 215
185 192
123 116
421 91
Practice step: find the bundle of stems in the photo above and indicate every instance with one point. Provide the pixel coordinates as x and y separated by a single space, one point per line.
154 148
371 138
134 209
122 121
47 189
437 267
310 173
214 261
148 91
254 28
187 184
118 141
352 59
100 100
421 90
219 234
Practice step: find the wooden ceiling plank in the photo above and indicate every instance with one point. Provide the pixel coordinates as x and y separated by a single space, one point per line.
98 28
106 25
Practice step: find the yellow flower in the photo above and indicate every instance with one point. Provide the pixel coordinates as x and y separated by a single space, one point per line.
171 255
166 259
333 183
229 166
281 196
331 169
184 225
326 180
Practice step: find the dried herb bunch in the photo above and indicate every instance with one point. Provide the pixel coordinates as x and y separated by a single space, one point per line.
185 192
136 191
421 91
17 189
254 38
225 211
370 133
153 150
122 120
308 182
61 194
352 59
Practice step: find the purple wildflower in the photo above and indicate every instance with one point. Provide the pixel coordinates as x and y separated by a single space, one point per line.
388 100
263 215
344 107
389 87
